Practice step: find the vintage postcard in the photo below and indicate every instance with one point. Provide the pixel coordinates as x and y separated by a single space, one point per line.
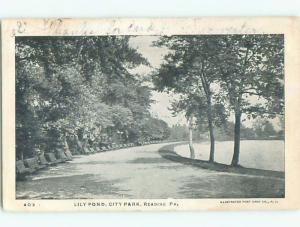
157 114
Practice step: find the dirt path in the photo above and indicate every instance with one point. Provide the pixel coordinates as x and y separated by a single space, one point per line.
141 173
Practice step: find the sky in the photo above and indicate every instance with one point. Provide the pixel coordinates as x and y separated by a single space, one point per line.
162 101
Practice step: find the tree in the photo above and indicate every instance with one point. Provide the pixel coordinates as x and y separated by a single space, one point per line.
242 68
195 112
155 129
251 66
76 87
189 70
192 150
264 129
178 132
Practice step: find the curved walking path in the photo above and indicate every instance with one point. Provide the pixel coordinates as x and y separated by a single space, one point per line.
142 173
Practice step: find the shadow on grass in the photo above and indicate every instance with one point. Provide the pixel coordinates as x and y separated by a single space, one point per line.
167 152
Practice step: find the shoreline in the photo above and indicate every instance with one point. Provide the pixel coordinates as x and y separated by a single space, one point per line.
168 152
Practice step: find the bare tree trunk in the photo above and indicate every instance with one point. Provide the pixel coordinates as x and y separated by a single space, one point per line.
211 133
192 151
212 142
237 137
206 87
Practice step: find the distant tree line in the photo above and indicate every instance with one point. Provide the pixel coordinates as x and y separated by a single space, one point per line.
260 130
80 92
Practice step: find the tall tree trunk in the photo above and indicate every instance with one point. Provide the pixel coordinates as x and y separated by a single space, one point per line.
237 137
212 141
211 133
192 150
206 87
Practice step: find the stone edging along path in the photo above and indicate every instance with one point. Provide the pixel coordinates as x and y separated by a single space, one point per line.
167 152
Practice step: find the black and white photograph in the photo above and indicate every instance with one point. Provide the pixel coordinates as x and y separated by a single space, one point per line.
150 113
198 116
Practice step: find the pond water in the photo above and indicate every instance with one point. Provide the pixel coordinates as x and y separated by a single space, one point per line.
260 154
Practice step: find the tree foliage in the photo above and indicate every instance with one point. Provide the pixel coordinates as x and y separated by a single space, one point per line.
78 88
221 74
